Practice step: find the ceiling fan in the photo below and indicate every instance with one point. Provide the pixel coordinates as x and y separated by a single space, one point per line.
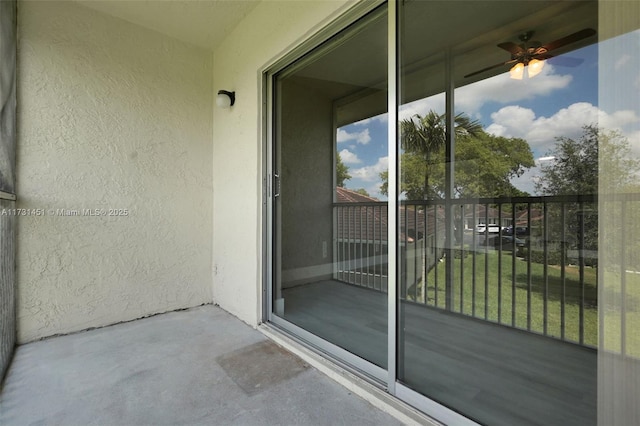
532 54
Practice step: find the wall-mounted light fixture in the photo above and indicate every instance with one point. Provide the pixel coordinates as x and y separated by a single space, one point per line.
225 99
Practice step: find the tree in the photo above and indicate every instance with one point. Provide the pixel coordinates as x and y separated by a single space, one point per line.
342 172
574 169
384 186
426 135
485 165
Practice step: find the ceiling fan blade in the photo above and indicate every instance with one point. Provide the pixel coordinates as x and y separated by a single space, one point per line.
571 38
512 48
490 68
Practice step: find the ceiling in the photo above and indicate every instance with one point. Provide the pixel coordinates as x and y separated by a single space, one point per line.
204 23
355 67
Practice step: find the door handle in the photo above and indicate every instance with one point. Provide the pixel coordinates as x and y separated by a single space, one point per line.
276 185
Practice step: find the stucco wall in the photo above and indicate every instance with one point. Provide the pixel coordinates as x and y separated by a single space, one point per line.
271 29
306 172
110 116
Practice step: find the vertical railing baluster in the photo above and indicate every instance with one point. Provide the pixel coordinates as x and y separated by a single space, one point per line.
415 253
514 250
499 262
368 235
351 244
381 229
582 265
360 255
563 279
371 279
379 247
339 242
435 254
545 308
425 262
381 226
529 276
474 245
374 244
343 245
458 231
486 261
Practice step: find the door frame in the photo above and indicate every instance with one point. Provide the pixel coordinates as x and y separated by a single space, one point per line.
384 379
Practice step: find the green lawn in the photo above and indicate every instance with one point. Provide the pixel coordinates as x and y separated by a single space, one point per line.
499 288
612 304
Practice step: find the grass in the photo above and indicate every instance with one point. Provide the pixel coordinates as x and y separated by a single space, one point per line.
614 302
501 296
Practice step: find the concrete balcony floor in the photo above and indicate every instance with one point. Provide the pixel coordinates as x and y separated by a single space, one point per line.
193 367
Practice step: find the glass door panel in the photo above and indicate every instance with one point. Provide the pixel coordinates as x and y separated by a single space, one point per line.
330 211
497 215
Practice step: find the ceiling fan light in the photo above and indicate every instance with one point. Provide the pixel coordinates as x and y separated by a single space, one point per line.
517 71
535 66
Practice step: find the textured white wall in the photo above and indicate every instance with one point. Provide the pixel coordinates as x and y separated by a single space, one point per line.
110 116
272 28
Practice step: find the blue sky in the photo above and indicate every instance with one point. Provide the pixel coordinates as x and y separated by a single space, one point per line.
557 102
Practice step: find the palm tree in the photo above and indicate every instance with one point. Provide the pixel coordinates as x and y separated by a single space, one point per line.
426 135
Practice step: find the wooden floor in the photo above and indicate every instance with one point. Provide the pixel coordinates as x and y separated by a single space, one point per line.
493 374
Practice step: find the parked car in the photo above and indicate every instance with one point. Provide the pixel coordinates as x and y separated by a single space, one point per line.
521 231
492 228
508 242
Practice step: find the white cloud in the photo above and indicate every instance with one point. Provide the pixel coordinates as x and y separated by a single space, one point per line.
362 137
423 106
516 121
349 157
510 120
371 173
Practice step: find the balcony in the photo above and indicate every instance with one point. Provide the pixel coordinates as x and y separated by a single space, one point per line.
198 366
520 313
542 280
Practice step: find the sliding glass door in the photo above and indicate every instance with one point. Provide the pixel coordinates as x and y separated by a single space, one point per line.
330 214
497 219
436 227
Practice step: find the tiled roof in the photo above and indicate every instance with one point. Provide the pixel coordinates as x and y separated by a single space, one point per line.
537 214
344 195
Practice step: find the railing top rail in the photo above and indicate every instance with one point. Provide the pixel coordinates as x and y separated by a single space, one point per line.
354 204
581 198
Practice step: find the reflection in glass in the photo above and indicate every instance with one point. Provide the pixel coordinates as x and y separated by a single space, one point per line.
498 217
619 210
331 227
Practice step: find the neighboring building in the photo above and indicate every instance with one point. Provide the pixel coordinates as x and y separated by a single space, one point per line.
487 215
362 241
